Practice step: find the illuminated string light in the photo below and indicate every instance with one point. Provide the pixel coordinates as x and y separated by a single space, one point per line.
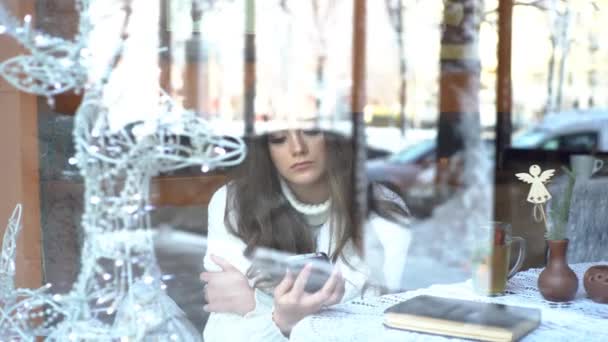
117 240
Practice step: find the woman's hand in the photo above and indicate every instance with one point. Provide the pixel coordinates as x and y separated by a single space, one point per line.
292 303
227 291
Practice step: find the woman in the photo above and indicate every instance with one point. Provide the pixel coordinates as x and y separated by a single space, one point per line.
294 195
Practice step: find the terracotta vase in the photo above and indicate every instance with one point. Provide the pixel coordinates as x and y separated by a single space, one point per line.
557 282
596 283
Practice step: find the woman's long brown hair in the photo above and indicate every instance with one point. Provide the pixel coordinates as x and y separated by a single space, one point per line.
260 215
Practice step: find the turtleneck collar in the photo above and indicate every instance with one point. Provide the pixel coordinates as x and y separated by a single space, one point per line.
314 214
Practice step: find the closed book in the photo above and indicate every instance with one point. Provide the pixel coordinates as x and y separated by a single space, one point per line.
462 318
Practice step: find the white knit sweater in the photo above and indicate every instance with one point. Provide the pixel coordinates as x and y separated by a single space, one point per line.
258 324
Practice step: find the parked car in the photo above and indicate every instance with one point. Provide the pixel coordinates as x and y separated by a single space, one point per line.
576 131
411 173
411 170
401 169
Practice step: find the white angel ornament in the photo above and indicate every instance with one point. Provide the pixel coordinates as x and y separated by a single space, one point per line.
538 192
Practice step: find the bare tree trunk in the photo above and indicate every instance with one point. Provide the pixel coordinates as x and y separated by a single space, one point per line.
458 89
557 41
565 23
402 89
249 60
592 72
320 70
550 72
321 58
504 97
359 202
395 12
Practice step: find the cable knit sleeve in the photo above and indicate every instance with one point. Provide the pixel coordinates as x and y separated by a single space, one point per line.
387 242
256 325
219 241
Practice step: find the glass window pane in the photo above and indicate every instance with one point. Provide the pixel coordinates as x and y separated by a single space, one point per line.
121 181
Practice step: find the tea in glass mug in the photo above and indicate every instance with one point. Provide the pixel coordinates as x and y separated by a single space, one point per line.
492 256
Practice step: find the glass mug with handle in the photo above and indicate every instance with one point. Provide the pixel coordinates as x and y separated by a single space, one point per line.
585 165
492 257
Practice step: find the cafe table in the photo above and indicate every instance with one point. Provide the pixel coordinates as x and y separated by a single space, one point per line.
361 319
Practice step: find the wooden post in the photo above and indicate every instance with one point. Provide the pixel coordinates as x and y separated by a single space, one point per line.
359 204
503 80
19 177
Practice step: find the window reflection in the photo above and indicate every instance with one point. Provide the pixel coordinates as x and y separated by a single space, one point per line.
303 63
293 197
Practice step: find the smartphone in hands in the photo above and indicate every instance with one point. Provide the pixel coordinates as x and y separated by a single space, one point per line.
320 272
269 267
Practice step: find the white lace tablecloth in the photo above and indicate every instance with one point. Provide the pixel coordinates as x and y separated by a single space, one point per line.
361 320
